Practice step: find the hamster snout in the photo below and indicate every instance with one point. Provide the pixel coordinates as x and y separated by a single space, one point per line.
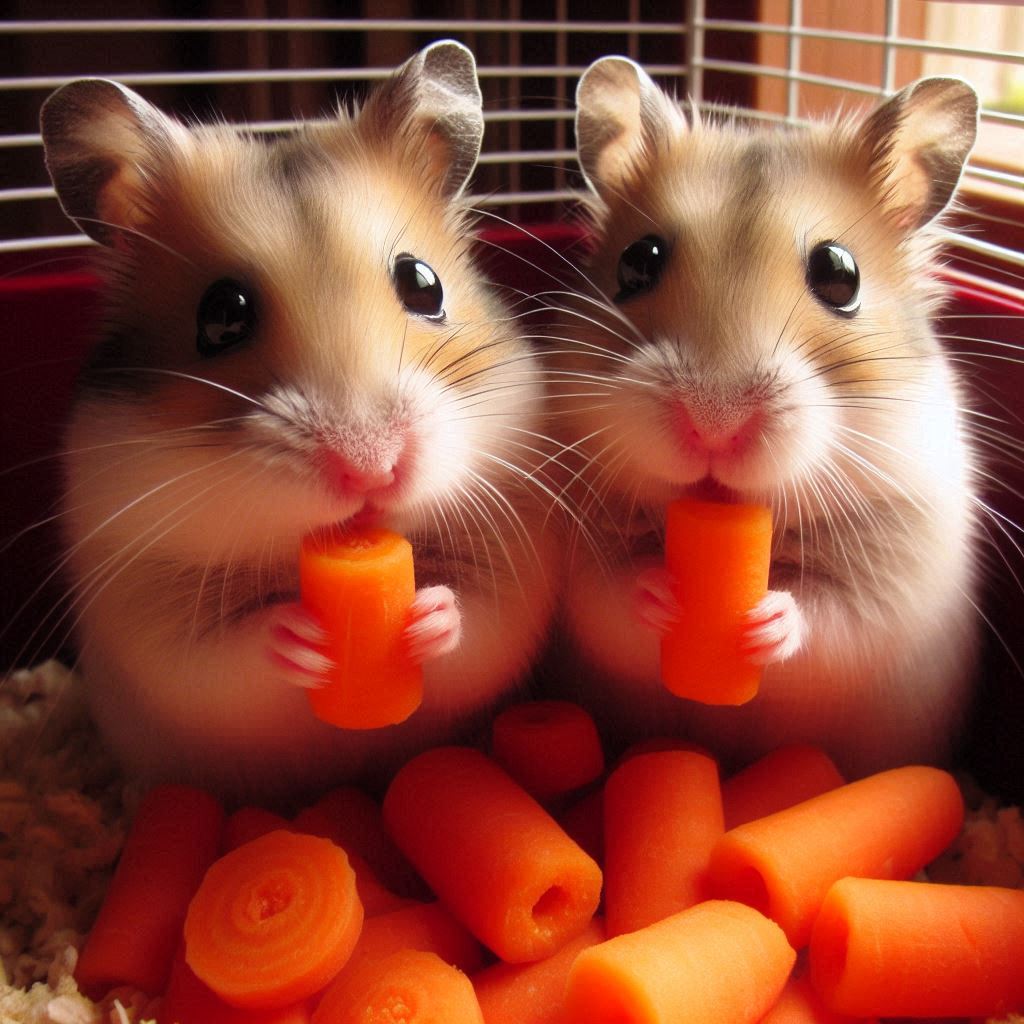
754 327
295 337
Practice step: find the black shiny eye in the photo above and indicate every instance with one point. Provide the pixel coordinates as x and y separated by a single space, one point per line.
225 316
833 276
640 266
418 287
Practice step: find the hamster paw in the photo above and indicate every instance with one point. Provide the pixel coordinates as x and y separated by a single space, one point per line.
296 646
775 628
656 603
435 624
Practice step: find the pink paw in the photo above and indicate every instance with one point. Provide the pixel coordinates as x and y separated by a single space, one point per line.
775 629
296 646
435 624
656 603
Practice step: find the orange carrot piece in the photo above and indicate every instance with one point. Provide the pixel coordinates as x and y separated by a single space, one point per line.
274 920
550 747
411 987
173 840
887 825
491 853
361 586
428 927
351 817
662 817
717 961
800 1004
583 822
780 779
531 993
188 1001
718 555
919 949
248 823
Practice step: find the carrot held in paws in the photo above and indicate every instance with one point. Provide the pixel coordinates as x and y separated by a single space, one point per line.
718 555
491 853
919 949
361 586
274 920
173 840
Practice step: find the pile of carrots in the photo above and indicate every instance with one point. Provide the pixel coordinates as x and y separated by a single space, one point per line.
519 888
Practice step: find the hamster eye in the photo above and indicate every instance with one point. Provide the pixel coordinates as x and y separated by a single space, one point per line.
640 266
224 317
833 276
418 287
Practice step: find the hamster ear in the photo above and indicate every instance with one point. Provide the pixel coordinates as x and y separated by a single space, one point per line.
97 138
620 116
918 144
434 94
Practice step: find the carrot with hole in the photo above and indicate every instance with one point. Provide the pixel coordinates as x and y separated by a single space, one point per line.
174 838
718 555
410 987
361 585
780 779
919 949
550 747
887 825
717 961
531 993
662 817
274 920
491 853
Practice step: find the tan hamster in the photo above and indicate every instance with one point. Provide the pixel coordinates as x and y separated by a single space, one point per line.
758 331
295 336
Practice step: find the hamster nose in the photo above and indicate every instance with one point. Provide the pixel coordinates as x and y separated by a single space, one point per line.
720 432
355 479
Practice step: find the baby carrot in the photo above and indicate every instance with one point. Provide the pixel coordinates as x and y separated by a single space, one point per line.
800 1004
491 853
246 824
411 987
719 556
188 1001
550 747
531 993
173 839
583 822
887 825
361 586
274 920
717 961
919 949
662 817
786 776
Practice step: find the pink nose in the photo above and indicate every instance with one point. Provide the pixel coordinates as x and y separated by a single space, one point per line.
354 479
721 433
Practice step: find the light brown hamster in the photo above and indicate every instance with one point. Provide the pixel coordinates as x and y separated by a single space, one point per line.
757 330
295 336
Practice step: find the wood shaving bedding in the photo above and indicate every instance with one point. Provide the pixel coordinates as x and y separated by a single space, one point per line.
65 809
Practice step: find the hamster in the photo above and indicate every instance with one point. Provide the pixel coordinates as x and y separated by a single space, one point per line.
755 328
295 336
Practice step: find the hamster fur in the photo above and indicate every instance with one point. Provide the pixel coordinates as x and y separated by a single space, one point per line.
720 354
357 369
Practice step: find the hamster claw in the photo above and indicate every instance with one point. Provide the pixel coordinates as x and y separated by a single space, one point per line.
656 603
296 647
435 624
775 629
